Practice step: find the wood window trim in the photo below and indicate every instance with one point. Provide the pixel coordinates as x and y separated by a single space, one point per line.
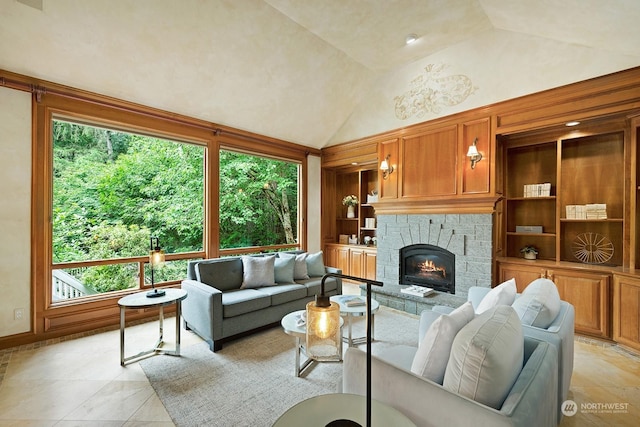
52 100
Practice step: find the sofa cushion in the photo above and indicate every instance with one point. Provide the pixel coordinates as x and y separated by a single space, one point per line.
315 265
281 294
241 301
283 269
539 304
222 273
258 271
300 267
313 285
431 359
486 357
503 294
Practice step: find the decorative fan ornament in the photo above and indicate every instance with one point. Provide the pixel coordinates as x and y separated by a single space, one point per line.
592 248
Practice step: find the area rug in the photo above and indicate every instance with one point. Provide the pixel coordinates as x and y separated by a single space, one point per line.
251 381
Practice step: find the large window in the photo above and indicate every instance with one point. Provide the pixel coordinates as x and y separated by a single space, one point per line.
258 202
112 190
108 175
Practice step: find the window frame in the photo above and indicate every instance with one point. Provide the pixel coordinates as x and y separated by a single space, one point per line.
54 318
299 204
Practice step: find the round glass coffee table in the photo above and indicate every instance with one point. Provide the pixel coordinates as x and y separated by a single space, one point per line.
292 325
351 311
323 409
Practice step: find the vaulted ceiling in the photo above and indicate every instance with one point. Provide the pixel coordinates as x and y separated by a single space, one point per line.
317 72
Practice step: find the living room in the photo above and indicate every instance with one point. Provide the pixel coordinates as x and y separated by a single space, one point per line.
269 71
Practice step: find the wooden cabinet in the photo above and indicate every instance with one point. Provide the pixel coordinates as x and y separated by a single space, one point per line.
359 261
626 310
524 274
582 169
588 292
361 184
337 256
363 262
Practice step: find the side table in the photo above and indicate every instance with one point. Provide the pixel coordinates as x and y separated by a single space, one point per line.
140 300
358 310
291 327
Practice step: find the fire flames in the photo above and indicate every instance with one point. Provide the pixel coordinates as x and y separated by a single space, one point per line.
428 267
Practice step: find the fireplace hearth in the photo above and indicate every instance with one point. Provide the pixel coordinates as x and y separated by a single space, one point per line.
428 265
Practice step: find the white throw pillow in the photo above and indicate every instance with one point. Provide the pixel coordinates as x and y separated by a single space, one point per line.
503 294
539 304
486 357
430 361
258 271
300 267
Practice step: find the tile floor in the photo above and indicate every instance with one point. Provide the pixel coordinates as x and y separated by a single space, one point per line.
78 381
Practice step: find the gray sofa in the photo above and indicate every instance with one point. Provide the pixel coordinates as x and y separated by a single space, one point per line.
217 309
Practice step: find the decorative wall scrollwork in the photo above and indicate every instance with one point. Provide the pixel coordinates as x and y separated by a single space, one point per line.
432 91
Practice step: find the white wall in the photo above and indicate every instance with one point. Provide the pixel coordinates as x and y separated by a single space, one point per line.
313 204
15 210
494 66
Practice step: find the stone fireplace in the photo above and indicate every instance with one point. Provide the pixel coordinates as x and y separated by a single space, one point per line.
468 237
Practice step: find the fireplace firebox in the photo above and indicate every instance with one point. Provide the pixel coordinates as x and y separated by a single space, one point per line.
428 265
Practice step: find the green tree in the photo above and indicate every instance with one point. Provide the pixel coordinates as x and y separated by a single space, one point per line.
254 200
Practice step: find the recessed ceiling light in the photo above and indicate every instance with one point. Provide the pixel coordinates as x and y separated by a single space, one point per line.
572 123
354 163
410 38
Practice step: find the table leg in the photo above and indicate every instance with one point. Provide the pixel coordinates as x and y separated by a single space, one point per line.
373 324
297 356
122 336
349 318
178 313
161 323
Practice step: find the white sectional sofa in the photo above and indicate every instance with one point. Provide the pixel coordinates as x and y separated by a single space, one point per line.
529 402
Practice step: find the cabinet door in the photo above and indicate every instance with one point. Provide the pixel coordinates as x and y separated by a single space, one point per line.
626 311
524 274
356 261
589 293
369 268
337 256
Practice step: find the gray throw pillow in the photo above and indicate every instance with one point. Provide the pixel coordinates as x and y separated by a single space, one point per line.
315 265
258 271
300 267
284 269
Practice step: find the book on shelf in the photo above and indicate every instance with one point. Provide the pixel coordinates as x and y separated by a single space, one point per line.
419 291
537 190
589 211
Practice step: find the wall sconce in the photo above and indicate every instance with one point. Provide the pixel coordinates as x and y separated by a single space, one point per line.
473 153
386 168
156 259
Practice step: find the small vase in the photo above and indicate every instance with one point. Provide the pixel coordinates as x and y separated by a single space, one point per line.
351 212
529 255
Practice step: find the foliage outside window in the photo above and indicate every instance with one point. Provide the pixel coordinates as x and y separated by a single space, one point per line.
258 201
111 191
